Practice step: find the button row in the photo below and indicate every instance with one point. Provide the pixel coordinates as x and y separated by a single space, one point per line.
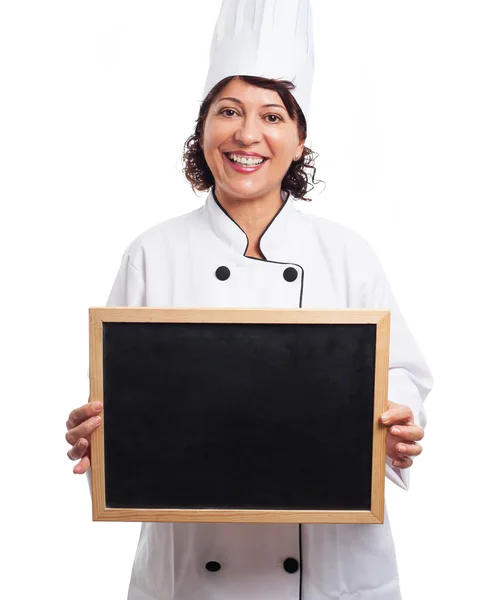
290 565
290 273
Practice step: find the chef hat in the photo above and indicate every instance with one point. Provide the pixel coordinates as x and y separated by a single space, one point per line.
264 38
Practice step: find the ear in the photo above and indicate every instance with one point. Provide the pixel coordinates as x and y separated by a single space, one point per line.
299 151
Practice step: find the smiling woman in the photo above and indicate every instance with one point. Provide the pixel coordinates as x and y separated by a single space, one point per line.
246 116
249 146
250 247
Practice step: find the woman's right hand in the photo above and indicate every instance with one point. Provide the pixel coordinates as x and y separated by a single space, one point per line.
80 424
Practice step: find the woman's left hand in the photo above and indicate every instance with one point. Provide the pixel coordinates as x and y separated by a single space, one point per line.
402 435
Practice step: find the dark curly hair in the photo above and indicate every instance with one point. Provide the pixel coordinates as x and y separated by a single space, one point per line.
295 181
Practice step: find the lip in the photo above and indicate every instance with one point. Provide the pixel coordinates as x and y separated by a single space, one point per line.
241 153
240 168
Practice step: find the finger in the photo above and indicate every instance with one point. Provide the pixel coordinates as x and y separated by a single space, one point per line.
402 463
83 430
82 466
82 413
411 433
398 413
412 449
78 450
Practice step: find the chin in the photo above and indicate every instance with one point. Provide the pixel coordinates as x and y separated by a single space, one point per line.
242 191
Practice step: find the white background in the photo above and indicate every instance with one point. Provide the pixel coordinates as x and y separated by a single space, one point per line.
97 99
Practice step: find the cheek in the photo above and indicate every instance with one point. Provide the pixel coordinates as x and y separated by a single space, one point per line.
282 146
208 141
215 134
212 138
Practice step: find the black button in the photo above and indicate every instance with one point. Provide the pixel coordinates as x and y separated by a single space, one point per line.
213 566
222 273
291 565
290 274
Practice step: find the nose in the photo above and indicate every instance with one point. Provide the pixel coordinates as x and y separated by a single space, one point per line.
248 131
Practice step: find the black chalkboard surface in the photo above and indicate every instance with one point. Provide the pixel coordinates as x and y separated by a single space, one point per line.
239 414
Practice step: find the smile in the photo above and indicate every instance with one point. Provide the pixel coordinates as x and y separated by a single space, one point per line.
244 164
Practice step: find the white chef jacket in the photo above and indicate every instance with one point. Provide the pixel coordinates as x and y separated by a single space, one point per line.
177 264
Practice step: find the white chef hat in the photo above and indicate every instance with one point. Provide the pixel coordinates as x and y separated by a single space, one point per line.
264 38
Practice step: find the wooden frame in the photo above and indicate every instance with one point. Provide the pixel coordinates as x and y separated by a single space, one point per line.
381 318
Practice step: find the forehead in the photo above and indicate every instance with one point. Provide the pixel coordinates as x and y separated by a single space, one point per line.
248 94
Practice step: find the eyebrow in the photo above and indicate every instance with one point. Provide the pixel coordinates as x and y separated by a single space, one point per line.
239 102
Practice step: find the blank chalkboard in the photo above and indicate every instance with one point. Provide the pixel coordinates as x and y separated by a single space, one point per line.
239 414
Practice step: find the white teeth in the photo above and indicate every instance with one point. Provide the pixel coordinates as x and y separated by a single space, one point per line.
245 160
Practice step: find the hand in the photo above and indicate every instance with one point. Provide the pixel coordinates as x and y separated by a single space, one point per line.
80 424
402 435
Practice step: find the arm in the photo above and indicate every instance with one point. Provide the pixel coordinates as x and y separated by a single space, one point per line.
128 290
409 377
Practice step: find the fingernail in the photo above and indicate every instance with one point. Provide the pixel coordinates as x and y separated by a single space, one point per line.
97 405
97 420
396 463
385 417
395 430
401 448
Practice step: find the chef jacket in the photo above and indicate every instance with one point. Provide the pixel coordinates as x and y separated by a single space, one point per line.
198 260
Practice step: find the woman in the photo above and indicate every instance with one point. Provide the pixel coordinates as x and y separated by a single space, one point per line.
249 246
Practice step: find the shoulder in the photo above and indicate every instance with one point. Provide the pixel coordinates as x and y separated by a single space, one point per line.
347 251
337 237
169 233
352 256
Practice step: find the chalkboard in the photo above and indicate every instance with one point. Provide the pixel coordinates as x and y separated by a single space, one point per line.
239 414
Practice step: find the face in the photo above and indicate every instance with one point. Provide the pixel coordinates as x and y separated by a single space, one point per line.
249 140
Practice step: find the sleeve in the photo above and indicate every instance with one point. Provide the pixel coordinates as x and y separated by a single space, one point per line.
409 377
128 290
129 287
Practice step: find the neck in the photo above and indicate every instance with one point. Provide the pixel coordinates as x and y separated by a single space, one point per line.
251 214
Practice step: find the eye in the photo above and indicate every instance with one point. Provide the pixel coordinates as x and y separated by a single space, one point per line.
274 118
228 110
